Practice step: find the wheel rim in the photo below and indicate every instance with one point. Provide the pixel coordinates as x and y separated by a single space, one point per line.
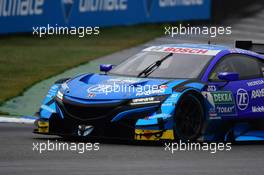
188 118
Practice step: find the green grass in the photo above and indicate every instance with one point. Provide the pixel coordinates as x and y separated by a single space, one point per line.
3 113
26 59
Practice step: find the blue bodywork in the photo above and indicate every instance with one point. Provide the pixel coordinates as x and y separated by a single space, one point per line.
224 119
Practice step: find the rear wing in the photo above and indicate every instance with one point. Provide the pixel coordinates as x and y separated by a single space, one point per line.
249 45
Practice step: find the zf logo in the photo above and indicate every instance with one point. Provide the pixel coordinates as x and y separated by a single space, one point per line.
242 99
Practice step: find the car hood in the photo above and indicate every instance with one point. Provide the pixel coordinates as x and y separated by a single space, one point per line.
108 87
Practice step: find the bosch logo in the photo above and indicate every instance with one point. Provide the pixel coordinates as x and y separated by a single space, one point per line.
242 99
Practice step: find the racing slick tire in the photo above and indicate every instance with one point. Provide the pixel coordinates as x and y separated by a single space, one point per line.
188 118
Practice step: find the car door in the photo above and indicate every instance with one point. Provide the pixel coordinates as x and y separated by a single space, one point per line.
247 92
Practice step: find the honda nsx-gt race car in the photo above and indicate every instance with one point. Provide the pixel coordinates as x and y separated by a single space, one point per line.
191 92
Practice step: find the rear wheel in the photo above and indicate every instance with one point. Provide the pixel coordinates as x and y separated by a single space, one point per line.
188 118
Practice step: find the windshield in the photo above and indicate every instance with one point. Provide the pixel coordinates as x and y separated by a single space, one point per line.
185 66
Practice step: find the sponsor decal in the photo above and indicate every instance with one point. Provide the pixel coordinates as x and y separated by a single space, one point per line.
243 51
91 95
255 83
173 3
242 99
182 50
148 4
221 103
186 50
102 5
43 127
257 109
150 92
153 134
124 80
225 109
222 97
21 7
53 91
163 86
259 93
211 88
47 108
213 114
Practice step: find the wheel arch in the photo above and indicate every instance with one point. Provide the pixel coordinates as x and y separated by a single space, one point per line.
196 93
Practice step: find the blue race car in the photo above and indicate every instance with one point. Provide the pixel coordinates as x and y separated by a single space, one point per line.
191 92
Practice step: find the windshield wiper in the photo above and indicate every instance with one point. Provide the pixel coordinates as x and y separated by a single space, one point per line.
148 70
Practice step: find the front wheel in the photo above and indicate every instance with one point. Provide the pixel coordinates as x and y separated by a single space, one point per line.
188 118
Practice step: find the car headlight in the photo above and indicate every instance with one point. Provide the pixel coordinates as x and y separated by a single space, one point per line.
59 95
147 100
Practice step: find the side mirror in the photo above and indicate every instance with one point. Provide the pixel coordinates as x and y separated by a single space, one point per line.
105 68
228 76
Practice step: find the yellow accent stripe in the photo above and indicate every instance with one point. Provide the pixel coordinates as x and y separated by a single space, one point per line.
153 134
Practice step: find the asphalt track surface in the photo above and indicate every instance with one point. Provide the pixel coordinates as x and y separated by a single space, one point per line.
16 140
17 157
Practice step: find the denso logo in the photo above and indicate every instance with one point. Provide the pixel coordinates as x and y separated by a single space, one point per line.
21 7
242 99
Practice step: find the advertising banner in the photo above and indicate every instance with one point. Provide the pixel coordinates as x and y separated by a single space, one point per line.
23 15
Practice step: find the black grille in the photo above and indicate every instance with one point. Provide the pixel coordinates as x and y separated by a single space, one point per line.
88 112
